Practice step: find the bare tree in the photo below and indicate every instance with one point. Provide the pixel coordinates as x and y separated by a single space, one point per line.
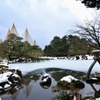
91 31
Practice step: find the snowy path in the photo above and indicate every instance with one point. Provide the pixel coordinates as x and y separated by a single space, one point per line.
79 65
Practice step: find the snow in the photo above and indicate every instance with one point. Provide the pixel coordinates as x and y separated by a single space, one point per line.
78 65
4 62
6 86
95 51
4 77
15 75
45 79
46 74
68 78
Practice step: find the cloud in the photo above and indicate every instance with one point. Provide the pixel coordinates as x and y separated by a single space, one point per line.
43 18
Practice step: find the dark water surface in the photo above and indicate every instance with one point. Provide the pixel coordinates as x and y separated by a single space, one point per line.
31 89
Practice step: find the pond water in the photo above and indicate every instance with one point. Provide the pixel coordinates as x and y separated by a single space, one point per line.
30 89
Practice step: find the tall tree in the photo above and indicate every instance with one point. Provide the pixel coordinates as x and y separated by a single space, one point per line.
26 48
77 45
13 46
58 47
56 44
36 51
48 50
64 47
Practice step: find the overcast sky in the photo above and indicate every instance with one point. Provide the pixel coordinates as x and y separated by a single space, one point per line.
44 19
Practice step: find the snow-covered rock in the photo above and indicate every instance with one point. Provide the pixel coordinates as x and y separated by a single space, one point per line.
45 77
4 76
9 77
46 81
68 79
46 74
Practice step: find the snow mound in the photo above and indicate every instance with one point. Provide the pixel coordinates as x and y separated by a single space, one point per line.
68 79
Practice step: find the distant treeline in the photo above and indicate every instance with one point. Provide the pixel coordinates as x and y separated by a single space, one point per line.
14 48
67 46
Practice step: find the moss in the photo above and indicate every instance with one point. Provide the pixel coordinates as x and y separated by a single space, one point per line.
73 86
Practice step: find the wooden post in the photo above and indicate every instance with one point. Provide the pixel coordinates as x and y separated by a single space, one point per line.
78 96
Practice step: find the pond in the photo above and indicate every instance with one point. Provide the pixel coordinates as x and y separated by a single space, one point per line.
31 89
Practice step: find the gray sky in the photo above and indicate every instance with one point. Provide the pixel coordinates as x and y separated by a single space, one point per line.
44 19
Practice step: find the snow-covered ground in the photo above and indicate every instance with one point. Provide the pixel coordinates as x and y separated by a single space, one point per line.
78 65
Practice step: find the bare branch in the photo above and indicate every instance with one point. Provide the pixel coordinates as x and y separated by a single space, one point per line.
90 31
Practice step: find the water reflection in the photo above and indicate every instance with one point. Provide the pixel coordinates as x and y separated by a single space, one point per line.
97 92
34 88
